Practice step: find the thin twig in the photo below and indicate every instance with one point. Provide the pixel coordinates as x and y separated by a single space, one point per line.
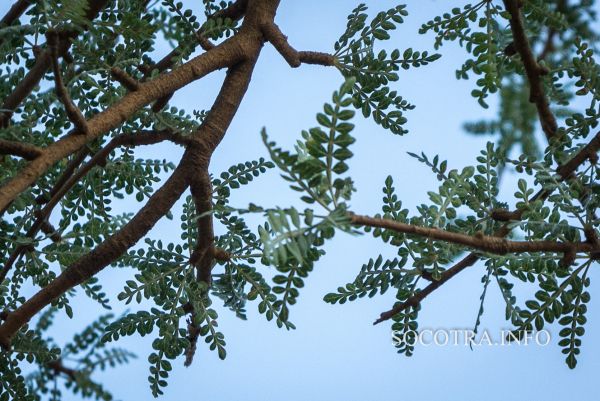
43 215
73 112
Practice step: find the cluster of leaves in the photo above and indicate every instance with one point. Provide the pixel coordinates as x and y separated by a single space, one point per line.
564 302
179 22
559 34
73 364
515 124
373 71
375 277
582 71
316 169
236 176
484 45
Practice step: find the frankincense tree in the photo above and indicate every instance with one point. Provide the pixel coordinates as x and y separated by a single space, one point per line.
80 88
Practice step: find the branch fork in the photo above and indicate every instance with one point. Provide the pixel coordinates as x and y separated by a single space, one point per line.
293 57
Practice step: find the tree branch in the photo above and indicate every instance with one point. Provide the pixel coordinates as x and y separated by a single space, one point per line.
58 368
294 58
533 70
226 54
235 12
588 152
416 299
24 150
73 165
43 215
204 253
125 79
15 12
564 171
73 112
548 45
491 244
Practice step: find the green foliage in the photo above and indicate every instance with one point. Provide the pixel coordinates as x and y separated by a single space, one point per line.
375 277
484 45
86 353
236 176
205 319
565 302
405 324
321 156
372 72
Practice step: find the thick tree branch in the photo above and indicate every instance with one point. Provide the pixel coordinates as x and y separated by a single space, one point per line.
294 58
235 11
227 54
43 215
204 253
202 257
484 243
15 12
24 150
533 70
209 135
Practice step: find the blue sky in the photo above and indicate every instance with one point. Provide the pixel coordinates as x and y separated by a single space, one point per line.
335 353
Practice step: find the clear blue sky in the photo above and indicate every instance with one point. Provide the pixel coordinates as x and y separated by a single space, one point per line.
335 353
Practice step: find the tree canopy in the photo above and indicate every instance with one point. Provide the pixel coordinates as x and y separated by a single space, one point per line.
81 86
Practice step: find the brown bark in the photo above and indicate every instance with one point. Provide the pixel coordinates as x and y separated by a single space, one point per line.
15 12
241 53
293 57
533 70
24 150
491 244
